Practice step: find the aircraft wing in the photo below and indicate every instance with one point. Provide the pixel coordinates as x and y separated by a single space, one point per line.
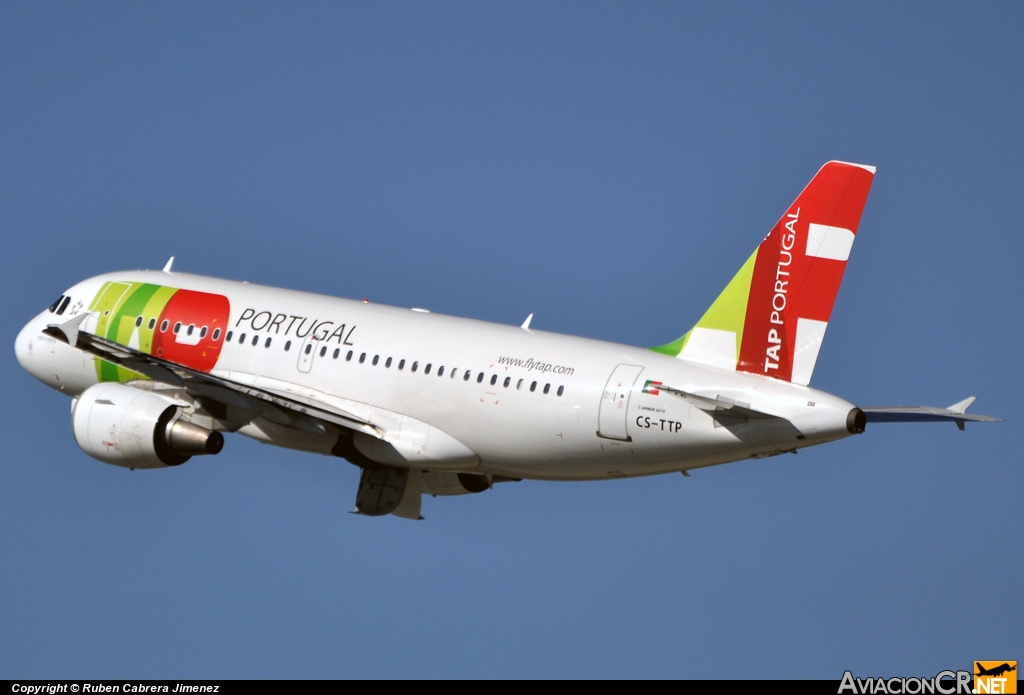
290 410
923 413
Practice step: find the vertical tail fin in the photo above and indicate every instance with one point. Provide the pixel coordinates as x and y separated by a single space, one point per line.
771 318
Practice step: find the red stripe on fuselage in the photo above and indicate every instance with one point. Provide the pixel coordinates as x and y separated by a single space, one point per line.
196 309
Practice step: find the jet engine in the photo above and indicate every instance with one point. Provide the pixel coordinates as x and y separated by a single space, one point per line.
129 427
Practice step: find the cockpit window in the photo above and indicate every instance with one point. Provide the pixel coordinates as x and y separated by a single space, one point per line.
63 305
53 307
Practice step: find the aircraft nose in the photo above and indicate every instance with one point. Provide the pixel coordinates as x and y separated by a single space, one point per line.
23 346
30 350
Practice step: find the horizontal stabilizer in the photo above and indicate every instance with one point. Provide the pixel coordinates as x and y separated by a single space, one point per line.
717 402
923 413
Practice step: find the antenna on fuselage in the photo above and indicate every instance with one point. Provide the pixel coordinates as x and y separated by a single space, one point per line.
167 267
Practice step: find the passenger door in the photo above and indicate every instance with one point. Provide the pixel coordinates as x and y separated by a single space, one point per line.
615 402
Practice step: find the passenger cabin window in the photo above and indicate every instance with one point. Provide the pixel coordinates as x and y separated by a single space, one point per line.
138 321
152 323
348 357
508 380
387 363
309 348
191 327
547 387
362 358
177 328
266 344
519 385
561 390
440 371
255 340
480 378
202 332
494 379
533 387
426 369
337 351
227 338
465 377
287 345
216 334
401 365
241 339
163 327
415 366
323 350
376 358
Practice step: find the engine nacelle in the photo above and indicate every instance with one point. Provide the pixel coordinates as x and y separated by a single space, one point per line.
128 427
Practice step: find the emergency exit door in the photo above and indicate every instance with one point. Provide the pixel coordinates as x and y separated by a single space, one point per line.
307 353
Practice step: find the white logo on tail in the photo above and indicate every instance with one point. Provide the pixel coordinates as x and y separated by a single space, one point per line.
788 241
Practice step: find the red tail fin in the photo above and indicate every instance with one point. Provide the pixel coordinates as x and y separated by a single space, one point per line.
797 273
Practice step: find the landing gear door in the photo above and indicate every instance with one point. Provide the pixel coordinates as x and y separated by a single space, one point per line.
615 402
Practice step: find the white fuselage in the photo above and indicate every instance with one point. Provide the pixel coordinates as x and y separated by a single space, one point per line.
546 407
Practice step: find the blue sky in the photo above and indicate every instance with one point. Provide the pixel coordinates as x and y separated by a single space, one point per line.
607 167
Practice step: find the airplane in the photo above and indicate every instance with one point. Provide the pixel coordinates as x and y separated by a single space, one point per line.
995 671
160 364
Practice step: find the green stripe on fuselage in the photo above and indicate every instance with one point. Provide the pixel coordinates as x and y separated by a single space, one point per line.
119 305
120 329
106 303
154 307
